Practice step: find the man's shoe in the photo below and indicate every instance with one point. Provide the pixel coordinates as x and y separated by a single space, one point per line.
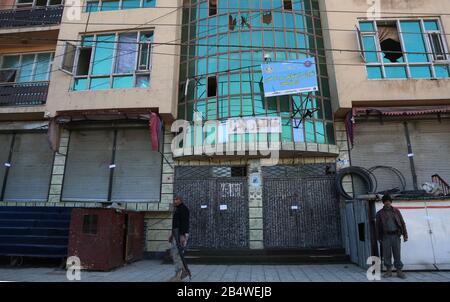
184 274
388 273
176 278
401 274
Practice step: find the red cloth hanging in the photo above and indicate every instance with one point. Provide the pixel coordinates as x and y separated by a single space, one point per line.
155 126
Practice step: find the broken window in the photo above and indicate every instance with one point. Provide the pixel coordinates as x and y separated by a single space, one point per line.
231 22
400 49
267 18
120 60
212 7
212 86
287 4
390 42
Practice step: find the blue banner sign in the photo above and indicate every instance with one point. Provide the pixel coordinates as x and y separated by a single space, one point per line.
291 77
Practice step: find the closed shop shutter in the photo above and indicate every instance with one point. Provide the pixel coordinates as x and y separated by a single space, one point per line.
137 176
431 146
31 168
5 145
382 144
87 166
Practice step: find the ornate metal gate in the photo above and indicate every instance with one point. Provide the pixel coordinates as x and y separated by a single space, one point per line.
300 208
218 205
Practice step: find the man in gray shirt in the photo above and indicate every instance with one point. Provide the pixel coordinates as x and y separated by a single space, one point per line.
390 226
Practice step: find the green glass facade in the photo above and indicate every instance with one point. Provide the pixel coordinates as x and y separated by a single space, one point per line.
229 44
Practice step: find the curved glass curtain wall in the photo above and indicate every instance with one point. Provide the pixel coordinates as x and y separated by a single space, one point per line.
212 48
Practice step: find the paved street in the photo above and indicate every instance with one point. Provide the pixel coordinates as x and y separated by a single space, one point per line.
154 271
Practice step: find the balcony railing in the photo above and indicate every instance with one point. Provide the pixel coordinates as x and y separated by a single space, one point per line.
23 94
36 16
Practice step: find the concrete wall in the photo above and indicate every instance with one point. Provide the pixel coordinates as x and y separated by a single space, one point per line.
348 74
164 74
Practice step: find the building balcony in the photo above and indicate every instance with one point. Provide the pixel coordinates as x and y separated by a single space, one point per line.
23 94
31 17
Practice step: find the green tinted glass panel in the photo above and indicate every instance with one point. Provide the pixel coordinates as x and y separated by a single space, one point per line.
395 72
103 54
123 82
309 128
330 134
442 71
10 61
42 67
366 26
212 110
320 132
110 5
80 84
129 4
26 68
235 106
431 25
99 83
87 41
235 84
92 6
374 72
149 3
223 108
420 72
286 130
247 106
413 41
143 81
370 49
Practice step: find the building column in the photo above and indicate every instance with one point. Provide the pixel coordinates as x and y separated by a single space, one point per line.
255 193
58 168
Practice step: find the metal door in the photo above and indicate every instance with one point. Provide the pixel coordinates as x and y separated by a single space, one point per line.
300 208
198 197
218 208
231 213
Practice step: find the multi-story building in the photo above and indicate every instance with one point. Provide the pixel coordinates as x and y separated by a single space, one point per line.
81 85
390 83
237 201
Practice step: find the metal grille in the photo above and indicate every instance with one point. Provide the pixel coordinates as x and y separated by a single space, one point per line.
202 172
296 171
192 172
218 212
300 207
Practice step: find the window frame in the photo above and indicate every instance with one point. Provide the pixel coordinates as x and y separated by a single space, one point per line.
33 4
100 5
35 61
112 74
432 63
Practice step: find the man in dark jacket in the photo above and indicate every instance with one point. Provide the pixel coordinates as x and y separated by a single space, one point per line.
180 229
390 226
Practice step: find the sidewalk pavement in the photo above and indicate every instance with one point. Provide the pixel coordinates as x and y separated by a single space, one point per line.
154 271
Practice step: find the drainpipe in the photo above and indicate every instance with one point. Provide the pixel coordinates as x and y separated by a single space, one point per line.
411 156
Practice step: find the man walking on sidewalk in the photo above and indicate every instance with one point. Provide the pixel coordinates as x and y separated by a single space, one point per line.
390 226
179 238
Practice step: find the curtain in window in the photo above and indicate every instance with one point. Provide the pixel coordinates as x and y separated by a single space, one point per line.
126 55
388 32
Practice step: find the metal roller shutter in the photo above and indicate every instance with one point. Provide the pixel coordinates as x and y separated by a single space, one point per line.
31 168
5 145
87 166
137 176
431 146
382 144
